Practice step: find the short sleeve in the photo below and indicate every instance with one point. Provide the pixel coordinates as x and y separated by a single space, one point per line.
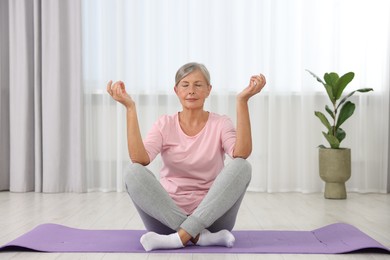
154 140
228 136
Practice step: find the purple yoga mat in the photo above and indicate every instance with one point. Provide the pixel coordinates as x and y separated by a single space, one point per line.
331 239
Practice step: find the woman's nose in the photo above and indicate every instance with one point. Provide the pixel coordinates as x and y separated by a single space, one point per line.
191 89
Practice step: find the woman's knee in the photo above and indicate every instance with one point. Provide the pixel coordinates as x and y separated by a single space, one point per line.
134 173
243 169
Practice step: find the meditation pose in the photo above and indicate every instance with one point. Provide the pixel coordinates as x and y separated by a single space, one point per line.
197 197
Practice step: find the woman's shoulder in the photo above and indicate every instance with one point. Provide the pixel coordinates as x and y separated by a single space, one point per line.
166 120
218 118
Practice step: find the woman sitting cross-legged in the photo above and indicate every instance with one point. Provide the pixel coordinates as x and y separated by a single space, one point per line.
197 197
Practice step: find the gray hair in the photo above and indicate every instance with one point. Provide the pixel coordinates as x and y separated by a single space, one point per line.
191 67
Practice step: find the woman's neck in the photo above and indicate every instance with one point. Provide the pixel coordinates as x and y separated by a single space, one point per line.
193 121
193 117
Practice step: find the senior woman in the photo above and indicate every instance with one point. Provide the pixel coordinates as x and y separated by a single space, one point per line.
197 197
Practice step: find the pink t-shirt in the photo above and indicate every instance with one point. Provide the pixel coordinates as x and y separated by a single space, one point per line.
190 163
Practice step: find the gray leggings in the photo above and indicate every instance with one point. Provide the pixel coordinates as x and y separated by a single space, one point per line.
217 211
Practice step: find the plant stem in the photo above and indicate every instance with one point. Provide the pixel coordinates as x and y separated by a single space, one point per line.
334 119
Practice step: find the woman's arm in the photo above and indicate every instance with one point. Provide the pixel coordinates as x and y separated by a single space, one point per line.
135 145
243 146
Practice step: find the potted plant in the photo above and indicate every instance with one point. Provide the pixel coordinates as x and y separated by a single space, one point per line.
335 162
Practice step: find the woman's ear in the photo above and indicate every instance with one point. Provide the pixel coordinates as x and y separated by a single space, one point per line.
175 89
209 89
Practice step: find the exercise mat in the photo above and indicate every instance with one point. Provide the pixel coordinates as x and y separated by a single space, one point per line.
332 239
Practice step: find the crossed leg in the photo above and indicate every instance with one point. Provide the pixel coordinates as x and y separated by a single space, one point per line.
169 227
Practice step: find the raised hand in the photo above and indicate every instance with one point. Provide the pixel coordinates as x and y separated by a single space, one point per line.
136 148
256 84
118 92
243 147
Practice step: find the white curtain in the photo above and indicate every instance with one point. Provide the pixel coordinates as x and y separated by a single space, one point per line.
144 42
59 130
41 109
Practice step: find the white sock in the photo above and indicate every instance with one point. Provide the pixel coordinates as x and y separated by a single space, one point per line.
151 241
220 238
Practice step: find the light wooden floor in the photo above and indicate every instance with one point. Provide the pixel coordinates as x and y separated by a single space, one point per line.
20 212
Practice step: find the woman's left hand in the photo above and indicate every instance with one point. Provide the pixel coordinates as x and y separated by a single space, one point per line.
256 84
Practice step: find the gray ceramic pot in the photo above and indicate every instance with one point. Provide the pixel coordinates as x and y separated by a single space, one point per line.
335 170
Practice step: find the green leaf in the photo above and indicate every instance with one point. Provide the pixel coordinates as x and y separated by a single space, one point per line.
329 90
345 98
330 112
362 90
323 119
346 111
331 80
333 141
318 78
340 134
321 146
342 82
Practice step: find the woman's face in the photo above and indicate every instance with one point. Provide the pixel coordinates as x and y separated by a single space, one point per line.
193 90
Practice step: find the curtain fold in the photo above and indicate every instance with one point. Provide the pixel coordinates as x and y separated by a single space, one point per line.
388 147
45 129
21 87
62 97
4 97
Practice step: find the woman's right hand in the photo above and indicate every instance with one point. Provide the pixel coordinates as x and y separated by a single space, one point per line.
118 92
135 145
